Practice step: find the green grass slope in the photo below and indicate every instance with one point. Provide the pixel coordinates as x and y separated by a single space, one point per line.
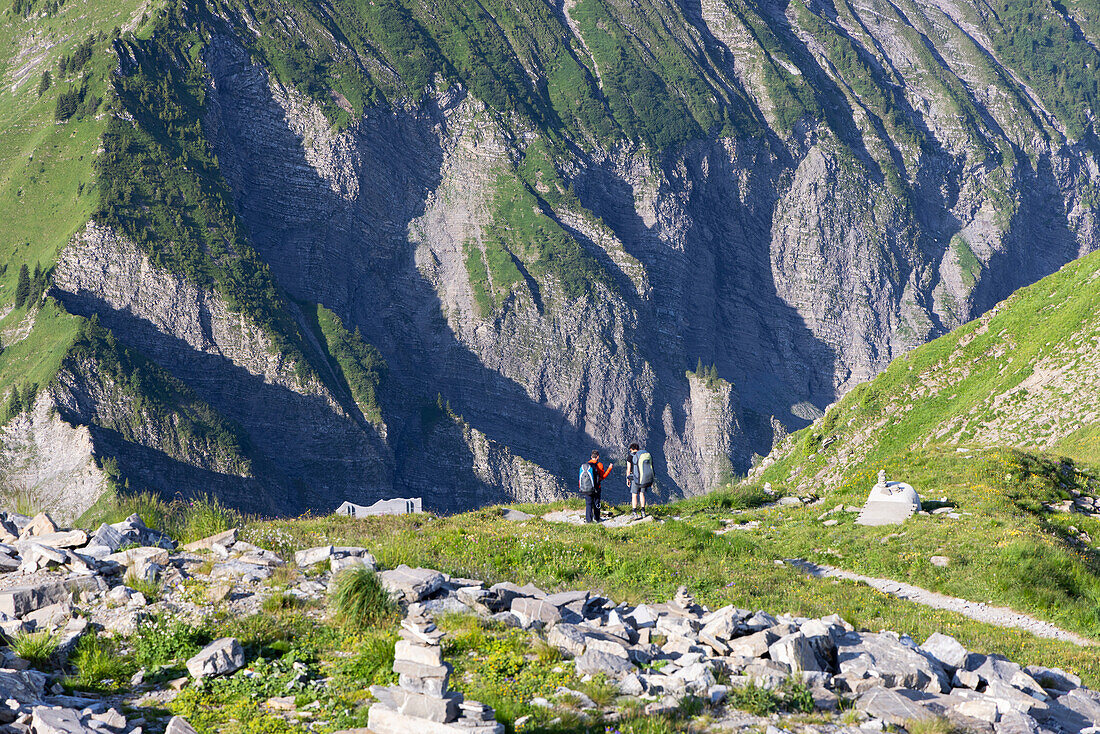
998 421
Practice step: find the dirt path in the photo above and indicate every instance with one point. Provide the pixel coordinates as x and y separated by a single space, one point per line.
999 616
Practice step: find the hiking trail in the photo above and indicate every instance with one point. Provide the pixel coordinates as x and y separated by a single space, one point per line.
997 616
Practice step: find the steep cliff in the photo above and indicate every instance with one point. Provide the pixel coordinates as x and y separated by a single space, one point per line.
538 216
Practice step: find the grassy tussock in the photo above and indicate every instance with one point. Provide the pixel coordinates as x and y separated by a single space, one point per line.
99 665
359 599
36 647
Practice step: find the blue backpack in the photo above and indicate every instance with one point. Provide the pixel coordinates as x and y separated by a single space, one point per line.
587 479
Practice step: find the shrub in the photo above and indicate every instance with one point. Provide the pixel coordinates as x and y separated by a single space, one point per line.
755 700
164 641
360 600
373 661
35 647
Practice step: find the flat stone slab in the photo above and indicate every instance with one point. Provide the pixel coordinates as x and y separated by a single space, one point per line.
382 720
21 600
179 725
892 707
573 517
516 515
46 720
412 583
313 556
60 539
532 611
225 539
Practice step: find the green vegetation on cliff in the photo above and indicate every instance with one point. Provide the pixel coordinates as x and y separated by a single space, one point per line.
359 364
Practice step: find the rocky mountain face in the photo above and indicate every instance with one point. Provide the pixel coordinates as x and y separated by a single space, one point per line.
545 218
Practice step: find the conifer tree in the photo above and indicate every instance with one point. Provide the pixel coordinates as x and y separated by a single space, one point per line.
15 404
23 286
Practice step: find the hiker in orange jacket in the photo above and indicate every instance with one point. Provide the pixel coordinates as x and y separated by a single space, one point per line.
592 501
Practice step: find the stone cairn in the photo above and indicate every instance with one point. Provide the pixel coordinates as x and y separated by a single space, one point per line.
420 702
683 599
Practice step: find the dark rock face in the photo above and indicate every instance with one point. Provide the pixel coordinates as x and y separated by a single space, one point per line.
793 260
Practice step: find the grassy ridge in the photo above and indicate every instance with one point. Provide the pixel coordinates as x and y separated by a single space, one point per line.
965 388
648 562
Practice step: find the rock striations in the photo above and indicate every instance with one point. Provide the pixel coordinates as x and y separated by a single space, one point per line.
541 241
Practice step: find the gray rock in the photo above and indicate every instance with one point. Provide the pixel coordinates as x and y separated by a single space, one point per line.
313 556
884 655
796 652
643 617
179 725
507 619
224 539
722 624
754 645
61 539
57 721
568 638
568 598
594 661
893 706
242 571
343 563
632 685
767 674
414 584
697 678
21 600
535 612
107 536
981 708
220 657
1084 702
946 650
24 686
1013 722
760 621
1053 679
996 669
516 515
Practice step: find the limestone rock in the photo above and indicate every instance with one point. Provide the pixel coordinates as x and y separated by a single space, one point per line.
595 661
899 666
179 725
535 611
220 657
795 651
58 721
41 524
225 539
946 650
413 584
893 706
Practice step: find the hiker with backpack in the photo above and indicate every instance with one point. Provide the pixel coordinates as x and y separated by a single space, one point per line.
639 477
592 475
